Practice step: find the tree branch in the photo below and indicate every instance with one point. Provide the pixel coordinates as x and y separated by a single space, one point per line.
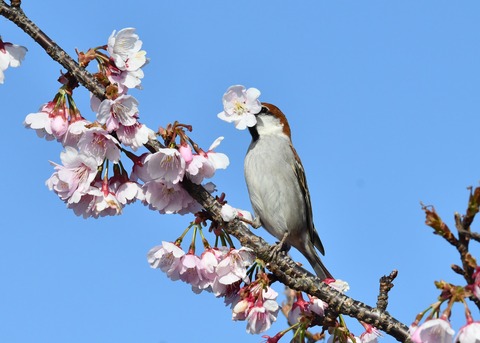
282 266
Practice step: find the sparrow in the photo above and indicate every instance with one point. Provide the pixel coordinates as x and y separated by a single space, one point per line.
278 188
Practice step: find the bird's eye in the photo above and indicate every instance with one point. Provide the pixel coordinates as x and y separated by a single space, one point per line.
264 110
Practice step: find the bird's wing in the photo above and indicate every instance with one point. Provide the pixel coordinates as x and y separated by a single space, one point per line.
300 172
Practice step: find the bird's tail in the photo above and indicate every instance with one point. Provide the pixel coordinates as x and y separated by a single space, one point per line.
317 264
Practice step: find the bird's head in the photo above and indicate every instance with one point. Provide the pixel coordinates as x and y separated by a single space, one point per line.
270 121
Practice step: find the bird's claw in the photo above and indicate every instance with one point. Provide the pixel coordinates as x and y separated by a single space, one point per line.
279 247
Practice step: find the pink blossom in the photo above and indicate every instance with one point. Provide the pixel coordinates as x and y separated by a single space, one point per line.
167 258
98 143
208 267
185 151
72 179
84 206
219 160
104 201
233 266
298 310
229 213
139 170
241 309
74 132
40 122
240 106
189 270
433 331
128 191
258 306
124 48
469 333
200 168
317 306
260 318
166 198
370 335
124 79
98 201
59 124
134 136
165 165
50 122
121 111
339 285
348 339
11 55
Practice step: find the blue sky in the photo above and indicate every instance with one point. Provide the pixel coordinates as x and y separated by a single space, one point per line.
382 99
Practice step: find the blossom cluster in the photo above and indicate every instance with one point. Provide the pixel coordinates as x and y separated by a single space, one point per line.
84 180
221 271
11 55
437 327
439 330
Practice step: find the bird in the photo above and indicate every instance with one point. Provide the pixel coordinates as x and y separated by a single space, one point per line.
278 189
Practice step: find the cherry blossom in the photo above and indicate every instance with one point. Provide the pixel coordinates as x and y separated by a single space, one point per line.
339 285
40 122
11 55
72 179
233 266
260 318
333 339
298 310
229 213
208 267
204 164
436 330
139 170
167 258
185 151
103 201
317 306
240 106
124 79
98 143
219 160
469 333
167 198
121 111
258 306
74 132
370 335
51 122
190 271
134 136
124 48
199 168
128 191
165 165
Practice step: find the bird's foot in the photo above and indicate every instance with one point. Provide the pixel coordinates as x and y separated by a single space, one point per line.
280 246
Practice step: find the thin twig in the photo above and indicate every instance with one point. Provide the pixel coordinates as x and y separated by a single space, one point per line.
386 284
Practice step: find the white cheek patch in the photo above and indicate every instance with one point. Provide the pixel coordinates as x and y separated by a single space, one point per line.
268 125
